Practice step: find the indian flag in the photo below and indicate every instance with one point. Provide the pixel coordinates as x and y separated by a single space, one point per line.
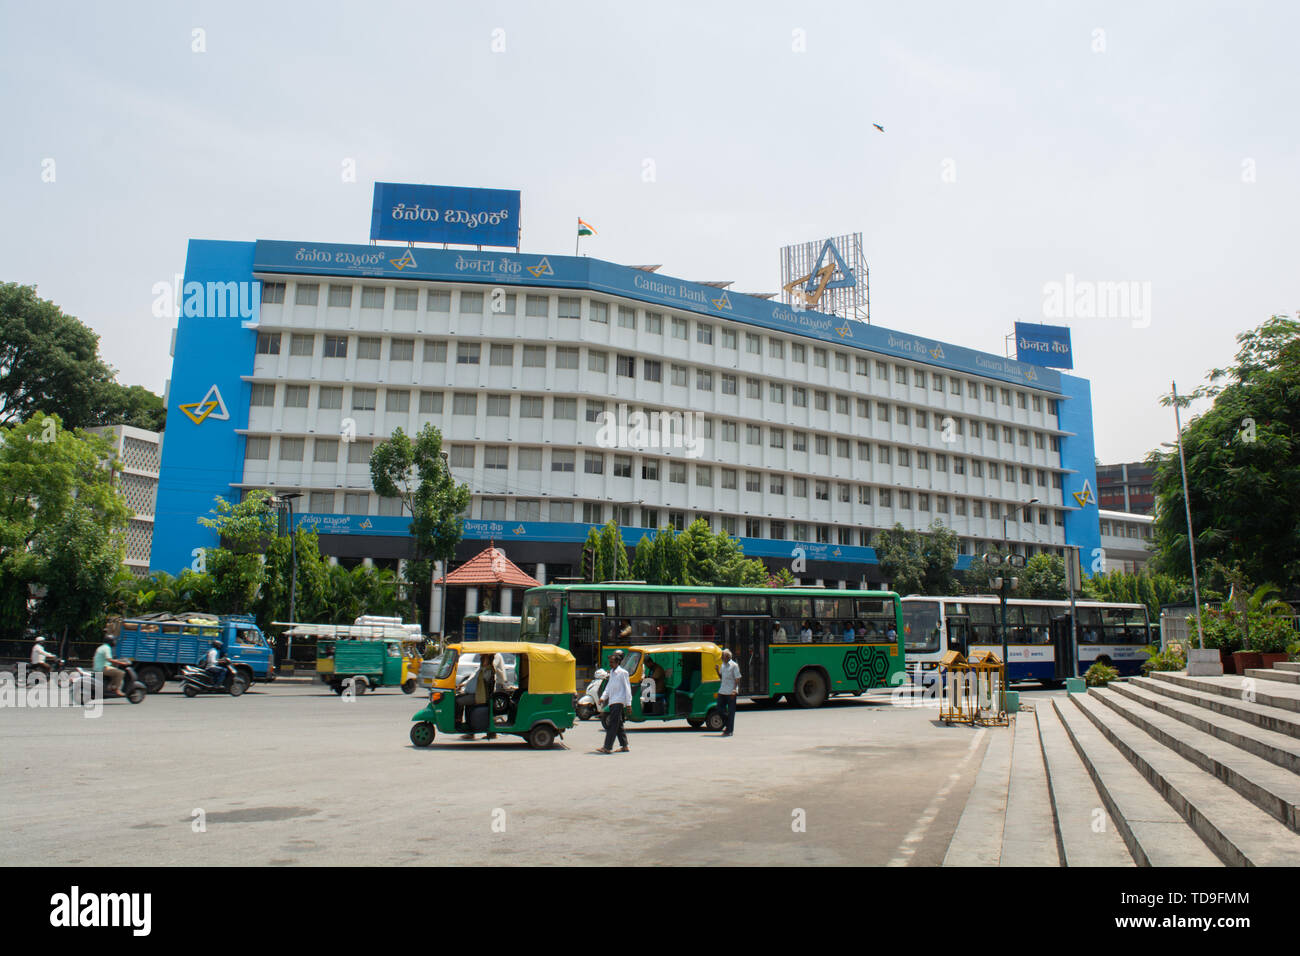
586 228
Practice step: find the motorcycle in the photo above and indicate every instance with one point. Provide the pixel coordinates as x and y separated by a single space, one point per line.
196 680
588 705
86 688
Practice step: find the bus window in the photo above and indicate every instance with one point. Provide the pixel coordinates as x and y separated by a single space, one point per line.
541 618
695 605
1089 625
921 627
584 601
643 605
743 604
792 607
831 609
985 626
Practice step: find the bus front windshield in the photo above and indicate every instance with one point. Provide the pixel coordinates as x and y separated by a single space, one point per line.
541 620
920 626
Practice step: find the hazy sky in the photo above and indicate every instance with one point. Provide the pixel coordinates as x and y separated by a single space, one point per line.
1152 143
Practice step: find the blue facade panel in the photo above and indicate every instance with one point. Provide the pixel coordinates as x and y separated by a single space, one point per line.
202 455
1079 457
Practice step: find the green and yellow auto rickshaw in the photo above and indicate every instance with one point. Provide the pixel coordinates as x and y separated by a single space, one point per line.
366 664
539 708
685 687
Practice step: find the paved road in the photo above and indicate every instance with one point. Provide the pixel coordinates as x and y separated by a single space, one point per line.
293 775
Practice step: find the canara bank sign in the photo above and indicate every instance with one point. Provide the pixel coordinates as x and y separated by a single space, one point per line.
412 213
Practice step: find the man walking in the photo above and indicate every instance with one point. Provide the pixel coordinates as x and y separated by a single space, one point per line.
618 694
729 673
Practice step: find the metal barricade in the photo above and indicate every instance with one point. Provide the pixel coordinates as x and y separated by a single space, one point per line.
973 690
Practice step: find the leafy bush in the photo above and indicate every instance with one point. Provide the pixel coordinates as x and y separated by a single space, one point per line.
1271 635
1170 659
1099 675
1222 628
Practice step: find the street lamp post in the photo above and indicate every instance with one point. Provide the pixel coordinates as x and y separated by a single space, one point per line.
1004 583
287 500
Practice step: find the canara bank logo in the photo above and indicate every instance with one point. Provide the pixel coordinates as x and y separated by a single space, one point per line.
521 530
1031 375
542 268
722 302
366 525
937 351
406 262
844 331
1086 496
211 406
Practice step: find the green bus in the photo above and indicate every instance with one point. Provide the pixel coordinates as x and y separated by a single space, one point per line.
806 644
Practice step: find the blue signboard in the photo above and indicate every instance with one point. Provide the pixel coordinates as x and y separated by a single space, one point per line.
1046 345
475 217
503 532
596 275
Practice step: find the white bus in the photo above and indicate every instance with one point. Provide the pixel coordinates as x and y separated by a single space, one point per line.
1040 639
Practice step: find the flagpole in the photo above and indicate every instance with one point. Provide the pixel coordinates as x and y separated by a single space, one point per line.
577 236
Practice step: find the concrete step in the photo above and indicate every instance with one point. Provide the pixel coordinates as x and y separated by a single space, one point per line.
1274 789
1269 693
1086 833
1029 836
1269 673
1240 833
1276 719
1153 832
977 841
1288 666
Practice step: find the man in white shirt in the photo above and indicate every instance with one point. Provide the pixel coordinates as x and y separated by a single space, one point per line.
729 673
618 694
41 657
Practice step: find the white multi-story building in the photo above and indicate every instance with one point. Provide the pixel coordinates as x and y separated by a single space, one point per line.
800 433
140 452
1126 539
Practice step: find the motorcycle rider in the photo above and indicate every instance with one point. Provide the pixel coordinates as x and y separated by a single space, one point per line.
40 657
212 664
108 666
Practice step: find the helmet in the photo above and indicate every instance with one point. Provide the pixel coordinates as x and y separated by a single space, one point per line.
601 674
40 640
218 645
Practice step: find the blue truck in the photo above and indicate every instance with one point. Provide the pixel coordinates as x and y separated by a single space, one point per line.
161 645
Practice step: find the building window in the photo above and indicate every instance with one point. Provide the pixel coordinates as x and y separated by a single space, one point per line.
499 354
464 403
372 297
776 393
363 399
753 481
566 409
703 333
534 356
263 395
531 406
325 450
776 484
498 406
649 469
821 401
819 357
652 370
622 466
677 472
468 353
395 401
569 307
729 479
528 509
291 449
300 344
598 362
431 403
654 323
775 348
753 343
562 459
471 303
359 452
566 357
529 459
401 350
257 448
435 351
438 300
729 338
340 297
626 366
537 306
594 410
599 312
330 396
680 328
368 347
593 464
776 438
268 343
703 380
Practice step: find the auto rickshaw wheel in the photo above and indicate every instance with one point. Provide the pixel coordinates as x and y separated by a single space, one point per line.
695 722
422 734
409 686
541 737
604 721
713 719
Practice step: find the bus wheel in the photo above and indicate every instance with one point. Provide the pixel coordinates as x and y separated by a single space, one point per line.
713 720
695 722
541 737
810 689
422 734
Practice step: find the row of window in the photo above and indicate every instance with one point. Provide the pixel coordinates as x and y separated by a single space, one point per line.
1125 529
330 397
500 302
568 357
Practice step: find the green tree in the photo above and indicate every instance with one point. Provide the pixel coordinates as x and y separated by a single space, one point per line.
62 525
1043 577
918 562
1144 587
246 530
417 473
312 594
50 361
1243 454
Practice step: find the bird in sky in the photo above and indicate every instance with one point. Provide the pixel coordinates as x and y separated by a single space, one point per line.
878 126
